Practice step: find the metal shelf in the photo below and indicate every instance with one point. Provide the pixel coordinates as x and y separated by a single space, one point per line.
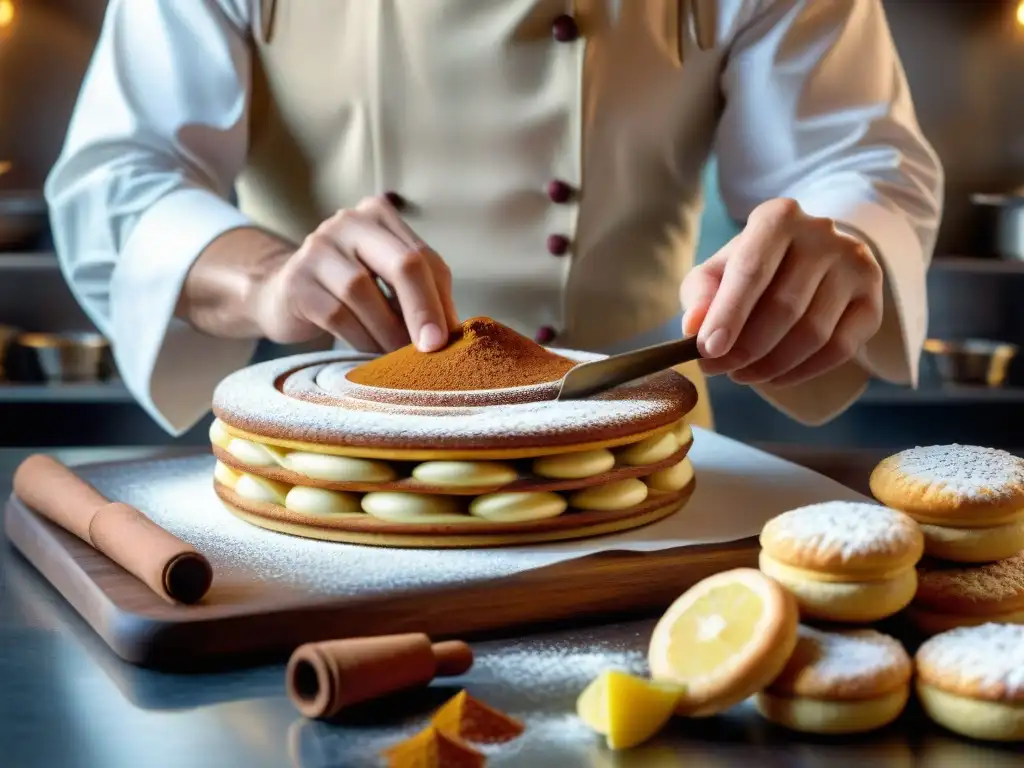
880 393
43 260
87 393
978 266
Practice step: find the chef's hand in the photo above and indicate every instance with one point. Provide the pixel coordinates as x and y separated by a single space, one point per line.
788 299
329 284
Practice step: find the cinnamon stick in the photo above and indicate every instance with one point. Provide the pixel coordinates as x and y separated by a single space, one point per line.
323 678
172 568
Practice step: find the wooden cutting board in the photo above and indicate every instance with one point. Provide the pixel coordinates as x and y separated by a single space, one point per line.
238 625
272 592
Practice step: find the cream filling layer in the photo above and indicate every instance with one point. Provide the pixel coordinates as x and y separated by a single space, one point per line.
260 489
515 507
456 474
830 716
973 545
251 454
338 469
407 507
225 475
220 436
650 450
613 496
403 507
318 501
977 719
864 601
574 466
671 479
451 474
792 572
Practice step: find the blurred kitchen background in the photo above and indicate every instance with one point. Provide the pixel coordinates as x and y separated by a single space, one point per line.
965 62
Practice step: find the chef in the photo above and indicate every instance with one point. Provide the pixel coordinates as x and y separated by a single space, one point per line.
400 164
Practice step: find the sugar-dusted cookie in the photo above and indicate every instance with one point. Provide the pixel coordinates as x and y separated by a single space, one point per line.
844 561
961 486
839 682
971 680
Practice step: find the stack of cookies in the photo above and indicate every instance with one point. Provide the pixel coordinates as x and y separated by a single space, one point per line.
851 564
969 503
796 634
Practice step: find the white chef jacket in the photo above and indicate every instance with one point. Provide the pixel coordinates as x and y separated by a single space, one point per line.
470 109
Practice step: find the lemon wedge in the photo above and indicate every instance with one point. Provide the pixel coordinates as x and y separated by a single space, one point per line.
724 639
626 710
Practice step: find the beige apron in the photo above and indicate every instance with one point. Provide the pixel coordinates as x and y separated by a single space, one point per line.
469 109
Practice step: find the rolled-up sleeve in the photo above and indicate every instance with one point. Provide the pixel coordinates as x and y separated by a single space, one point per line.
143 185
817 108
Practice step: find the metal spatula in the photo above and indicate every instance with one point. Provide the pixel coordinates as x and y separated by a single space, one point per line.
589 379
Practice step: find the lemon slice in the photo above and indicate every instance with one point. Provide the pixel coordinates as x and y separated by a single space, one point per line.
626 710
724 639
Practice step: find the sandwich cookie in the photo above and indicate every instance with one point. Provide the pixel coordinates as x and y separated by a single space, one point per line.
973 545
951 596
724 639
844 561
851 681
971 681
953 485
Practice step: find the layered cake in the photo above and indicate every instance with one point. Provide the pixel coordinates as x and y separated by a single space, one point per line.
465 447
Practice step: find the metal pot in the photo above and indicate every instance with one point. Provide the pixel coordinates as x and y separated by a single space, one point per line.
970 361
60 357
1005 228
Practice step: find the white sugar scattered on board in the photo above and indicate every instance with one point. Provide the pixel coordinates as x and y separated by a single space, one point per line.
990 582
968 472
249 396
990 656
853 529
536 680
846 656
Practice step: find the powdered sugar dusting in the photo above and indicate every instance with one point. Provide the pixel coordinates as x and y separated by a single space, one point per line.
178 495
967 472
991 582
852 529
536 680
842 658
989 657
283 397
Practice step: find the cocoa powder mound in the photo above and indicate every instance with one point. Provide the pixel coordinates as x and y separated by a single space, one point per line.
482 354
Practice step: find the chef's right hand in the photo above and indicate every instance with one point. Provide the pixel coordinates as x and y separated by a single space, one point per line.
329 284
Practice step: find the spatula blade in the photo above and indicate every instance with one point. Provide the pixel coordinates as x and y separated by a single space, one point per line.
588 379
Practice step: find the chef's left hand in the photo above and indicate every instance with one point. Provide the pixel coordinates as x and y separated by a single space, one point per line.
788 299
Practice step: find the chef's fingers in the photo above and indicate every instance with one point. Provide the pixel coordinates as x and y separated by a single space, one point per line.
443 278
382 211
352 285
698 290
851 332
323 309
405 270
756 255
808 336
778 310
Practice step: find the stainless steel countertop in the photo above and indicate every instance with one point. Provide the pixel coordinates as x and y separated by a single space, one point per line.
66 700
